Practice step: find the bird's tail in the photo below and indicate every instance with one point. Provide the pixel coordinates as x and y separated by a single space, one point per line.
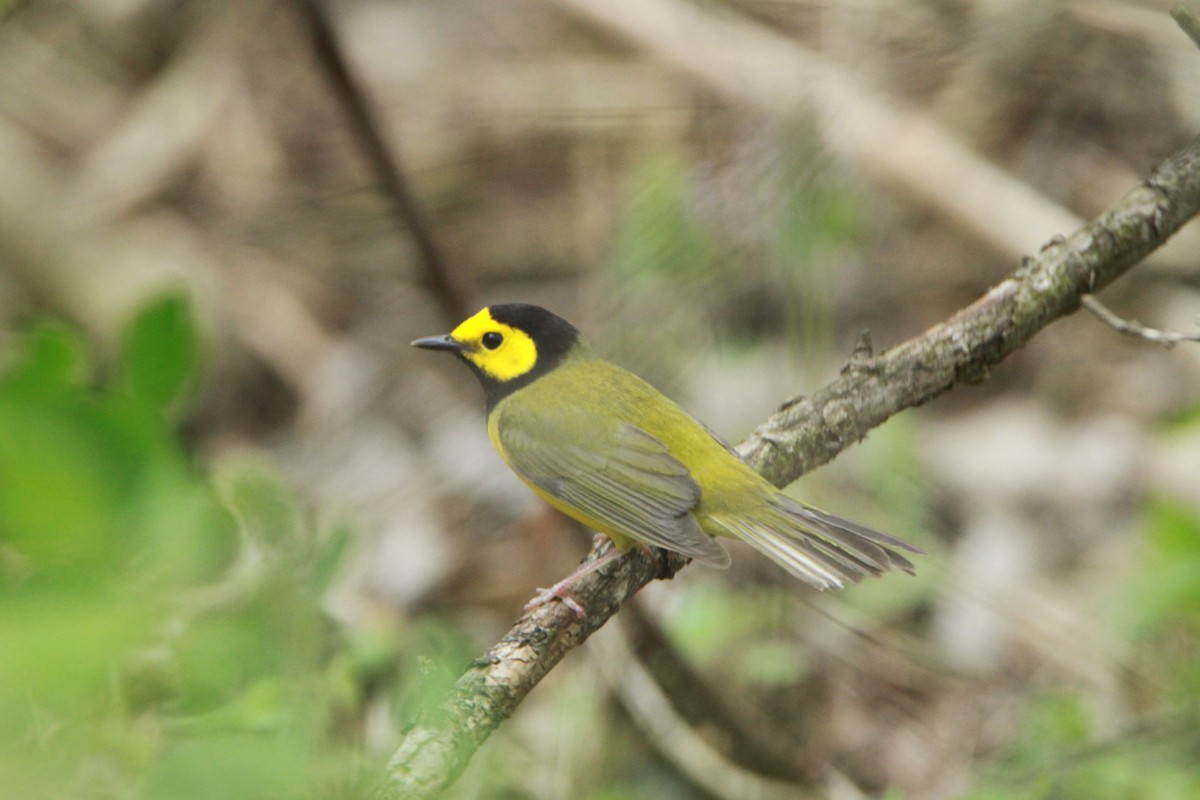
819 548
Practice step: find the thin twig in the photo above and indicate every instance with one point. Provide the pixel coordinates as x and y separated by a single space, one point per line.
1131 327
366 128
1187 21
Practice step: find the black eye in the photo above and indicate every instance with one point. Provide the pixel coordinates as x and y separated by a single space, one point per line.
492 340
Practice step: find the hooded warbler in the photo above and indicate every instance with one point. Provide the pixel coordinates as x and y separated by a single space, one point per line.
604 447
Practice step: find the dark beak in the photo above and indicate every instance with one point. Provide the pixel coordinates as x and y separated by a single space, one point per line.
446 342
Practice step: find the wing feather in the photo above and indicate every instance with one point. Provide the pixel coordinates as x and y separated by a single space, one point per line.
626 479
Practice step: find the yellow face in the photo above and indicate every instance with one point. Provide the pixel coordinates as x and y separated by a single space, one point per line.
501 351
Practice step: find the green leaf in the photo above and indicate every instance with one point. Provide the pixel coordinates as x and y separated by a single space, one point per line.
161 350
62 485
51 357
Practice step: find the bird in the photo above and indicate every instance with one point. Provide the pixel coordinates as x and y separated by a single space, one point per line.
609 450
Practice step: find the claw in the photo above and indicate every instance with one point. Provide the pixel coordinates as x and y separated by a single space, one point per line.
559 590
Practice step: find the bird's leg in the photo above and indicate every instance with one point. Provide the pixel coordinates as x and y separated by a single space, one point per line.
559 590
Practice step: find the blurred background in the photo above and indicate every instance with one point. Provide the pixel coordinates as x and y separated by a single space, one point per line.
247 535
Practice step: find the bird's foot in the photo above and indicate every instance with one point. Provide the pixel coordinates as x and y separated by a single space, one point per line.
558 592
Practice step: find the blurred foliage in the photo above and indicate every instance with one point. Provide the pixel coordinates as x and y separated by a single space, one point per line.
160 625
688 230
1059 755
161 629
1169 594
1063 750
160 352
660 237
819 216
898 487
735 632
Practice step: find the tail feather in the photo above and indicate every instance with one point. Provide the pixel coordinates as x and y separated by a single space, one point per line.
796 555
819 548
808 512
858 541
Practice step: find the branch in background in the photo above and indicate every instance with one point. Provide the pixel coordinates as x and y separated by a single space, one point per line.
753 741
807 432
754 66
1187 21
158 137
1131 327
670 734
438 277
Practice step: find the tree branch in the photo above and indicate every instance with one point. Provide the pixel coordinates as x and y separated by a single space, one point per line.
1131 327
807 432
1187 21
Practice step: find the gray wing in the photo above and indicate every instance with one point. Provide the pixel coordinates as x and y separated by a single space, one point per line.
626 479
